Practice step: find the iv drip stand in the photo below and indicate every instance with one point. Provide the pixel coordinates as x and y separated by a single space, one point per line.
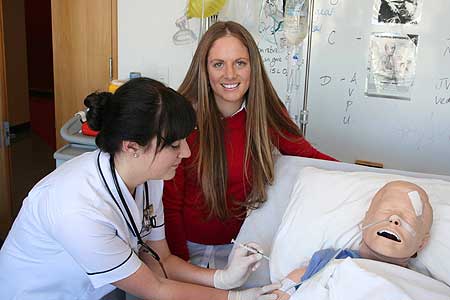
304 112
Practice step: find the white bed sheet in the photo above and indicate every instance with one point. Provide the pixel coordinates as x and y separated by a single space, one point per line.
262 224
364 279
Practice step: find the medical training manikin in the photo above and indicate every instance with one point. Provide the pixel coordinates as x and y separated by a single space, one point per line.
396 226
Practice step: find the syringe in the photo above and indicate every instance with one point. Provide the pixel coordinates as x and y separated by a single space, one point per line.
252 250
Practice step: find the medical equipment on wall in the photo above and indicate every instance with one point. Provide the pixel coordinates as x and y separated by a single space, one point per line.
291 286
296 21
295 31
147 218
184 35
205 10
271 23
244 13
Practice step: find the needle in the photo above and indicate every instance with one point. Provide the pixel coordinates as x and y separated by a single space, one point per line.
252 250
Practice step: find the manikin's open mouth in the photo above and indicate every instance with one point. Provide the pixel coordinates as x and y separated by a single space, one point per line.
389 235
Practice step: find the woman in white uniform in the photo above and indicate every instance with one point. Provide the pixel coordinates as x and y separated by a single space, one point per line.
97 222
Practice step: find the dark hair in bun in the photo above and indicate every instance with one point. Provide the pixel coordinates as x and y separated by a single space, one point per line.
95 103
138 111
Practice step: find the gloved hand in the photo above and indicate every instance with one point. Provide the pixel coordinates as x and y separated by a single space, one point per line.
255 293
242 263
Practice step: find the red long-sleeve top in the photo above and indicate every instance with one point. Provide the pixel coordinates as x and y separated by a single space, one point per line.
184 209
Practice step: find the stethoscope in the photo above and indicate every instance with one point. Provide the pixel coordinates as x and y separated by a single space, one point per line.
149 220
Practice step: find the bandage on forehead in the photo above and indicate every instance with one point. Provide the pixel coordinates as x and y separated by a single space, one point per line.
416 202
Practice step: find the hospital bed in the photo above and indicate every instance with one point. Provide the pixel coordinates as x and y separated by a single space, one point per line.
263 225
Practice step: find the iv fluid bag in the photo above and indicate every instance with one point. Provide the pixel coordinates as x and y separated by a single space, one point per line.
296 21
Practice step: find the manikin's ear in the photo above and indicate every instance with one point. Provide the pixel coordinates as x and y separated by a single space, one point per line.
130 148
364 221
424 242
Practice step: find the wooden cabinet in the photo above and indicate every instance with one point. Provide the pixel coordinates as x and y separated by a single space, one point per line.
84 41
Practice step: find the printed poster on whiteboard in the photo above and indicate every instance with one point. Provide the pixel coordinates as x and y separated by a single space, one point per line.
392 65
397 11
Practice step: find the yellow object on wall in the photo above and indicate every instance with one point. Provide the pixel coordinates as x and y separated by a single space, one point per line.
212 7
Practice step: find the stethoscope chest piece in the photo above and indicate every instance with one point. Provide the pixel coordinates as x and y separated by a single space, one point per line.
147 218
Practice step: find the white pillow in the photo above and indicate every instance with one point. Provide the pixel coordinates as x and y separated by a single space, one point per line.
326 207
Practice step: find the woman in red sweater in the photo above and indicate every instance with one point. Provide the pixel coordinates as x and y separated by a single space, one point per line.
241 120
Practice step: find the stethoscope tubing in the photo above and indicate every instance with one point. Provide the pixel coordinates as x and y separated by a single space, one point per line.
132 226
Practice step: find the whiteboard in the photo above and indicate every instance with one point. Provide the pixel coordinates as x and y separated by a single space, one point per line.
411 135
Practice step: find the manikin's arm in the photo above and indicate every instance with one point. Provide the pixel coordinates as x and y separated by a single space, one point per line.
294 276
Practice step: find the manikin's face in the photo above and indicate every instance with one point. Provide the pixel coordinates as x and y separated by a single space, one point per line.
409 216
229 73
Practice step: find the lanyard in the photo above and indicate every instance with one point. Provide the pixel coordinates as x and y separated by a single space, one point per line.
131 226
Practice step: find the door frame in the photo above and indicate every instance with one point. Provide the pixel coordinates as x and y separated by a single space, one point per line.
5 155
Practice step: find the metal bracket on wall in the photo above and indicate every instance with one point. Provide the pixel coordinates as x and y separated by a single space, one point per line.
110 65
7 140
304 118
304 114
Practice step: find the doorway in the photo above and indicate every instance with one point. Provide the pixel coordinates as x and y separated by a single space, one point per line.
29 78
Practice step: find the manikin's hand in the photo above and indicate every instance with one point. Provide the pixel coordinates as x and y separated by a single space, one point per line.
262 293
293 278
285 293
242 263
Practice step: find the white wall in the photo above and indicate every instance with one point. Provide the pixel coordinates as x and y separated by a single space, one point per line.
145 40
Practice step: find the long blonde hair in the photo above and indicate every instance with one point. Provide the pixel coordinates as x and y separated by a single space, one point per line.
266 115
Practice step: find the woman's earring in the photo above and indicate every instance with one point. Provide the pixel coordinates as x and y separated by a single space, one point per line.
135 155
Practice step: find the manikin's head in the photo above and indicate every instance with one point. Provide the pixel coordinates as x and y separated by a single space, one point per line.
408 214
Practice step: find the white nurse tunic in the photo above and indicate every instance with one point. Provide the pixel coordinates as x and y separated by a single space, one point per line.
70 239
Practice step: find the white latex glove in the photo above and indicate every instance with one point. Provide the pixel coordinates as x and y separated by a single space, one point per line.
242 263
255 293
